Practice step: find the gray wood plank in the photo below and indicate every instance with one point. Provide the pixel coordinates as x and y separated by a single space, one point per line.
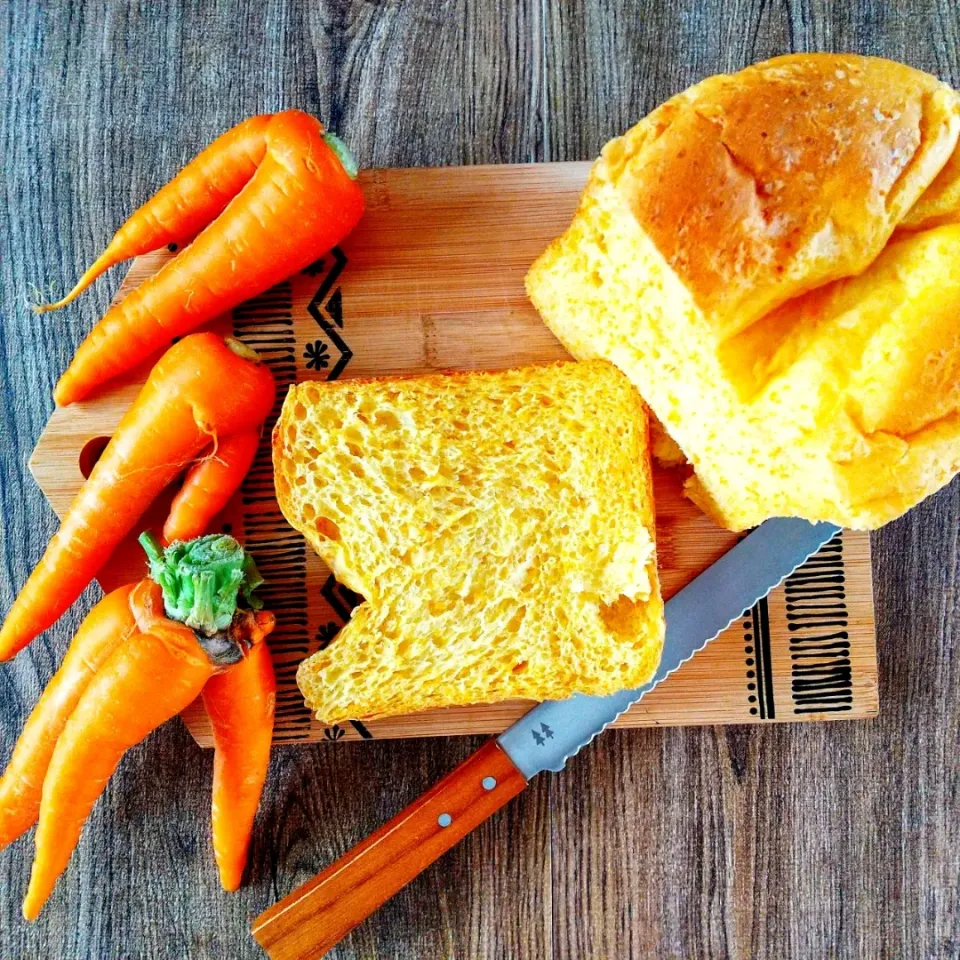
804 841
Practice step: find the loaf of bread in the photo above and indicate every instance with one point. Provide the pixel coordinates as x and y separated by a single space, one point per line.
499 526
773 258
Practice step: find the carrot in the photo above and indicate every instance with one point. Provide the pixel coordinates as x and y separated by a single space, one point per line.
161 665
201 580
300 202
107 625
181 209
240 703
132 666
209 485
202 389
145 682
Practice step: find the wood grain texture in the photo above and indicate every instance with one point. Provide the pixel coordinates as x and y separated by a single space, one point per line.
433 279
808 841
316 916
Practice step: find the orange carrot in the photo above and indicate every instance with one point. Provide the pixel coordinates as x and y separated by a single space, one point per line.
145 682
300 202
240 703
209 485
107 625
130 668
202 389
180 210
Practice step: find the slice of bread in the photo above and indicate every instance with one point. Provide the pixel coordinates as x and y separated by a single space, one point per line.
499 526
773 258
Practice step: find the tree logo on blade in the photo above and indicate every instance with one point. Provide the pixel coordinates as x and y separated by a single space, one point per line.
543 736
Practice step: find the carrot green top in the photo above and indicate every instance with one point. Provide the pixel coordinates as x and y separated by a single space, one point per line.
343 154
201 579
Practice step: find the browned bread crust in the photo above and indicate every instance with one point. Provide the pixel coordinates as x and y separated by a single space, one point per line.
772 257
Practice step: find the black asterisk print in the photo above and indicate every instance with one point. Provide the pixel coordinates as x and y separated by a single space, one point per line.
326 633
317 355
315 268
333 733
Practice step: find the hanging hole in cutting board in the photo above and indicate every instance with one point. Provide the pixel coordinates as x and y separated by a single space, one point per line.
91 453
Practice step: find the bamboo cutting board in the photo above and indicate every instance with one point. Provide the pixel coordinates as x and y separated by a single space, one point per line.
432 279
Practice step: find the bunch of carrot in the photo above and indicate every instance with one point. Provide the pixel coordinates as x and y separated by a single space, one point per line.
263 201
129 669
182 419
280 192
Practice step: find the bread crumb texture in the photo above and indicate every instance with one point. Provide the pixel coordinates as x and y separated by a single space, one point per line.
773 258
499 526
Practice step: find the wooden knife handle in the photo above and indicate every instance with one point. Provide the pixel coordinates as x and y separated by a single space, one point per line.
309 921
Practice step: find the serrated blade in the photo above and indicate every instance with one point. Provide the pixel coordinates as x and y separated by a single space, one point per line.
551 733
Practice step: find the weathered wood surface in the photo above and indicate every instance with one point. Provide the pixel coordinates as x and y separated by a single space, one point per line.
839 840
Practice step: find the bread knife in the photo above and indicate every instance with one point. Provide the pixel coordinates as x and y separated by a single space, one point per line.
309 921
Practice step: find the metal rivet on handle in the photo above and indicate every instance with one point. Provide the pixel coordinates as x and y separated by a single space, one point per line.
444 819
488 783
